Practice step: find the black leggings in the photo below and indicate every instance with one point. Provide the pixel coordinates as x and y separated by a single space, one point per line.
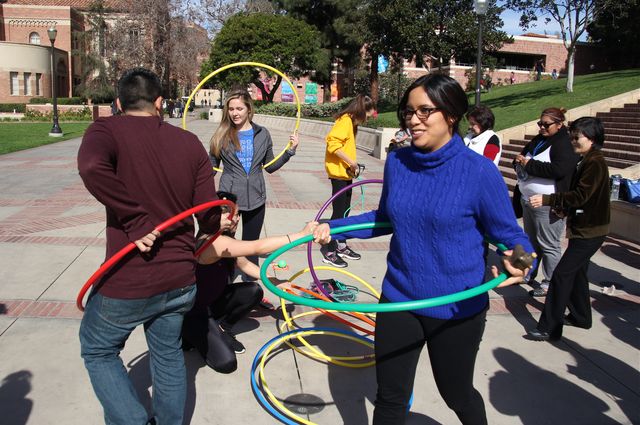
237 300
252 222
452 345
340 205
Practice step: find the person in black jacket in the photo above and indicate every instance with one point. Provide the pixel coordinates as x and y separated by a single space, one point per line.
545 166
586 205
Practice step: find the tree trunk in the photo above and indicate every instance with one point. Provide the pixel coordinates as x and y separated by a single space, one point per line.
570 65
373 78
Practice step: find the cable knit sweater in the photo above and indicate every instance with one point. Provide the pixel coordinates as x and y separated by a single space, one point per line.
441 205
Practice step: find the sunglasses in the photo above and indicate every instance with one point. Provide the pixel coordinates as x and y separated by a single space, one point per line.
423 113
546 125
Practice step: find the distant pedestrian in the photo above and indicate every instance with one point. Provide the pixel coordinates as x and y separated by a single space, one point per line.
512 78
554 74
539 69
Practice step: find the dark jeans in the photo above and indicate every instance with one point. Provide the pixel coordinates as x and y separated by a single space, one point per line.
452 346
105 327
340 205
252 222
569 287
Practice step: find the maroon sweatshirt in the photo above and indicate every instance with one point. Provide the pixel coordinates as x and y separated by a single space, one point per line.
146 171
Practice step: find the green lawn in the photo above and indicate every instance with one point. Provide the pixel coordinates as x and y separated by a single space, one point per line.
520 103
16 136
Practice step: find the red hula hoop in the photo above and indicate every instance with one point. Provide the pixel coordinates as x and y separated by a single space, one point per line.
160 228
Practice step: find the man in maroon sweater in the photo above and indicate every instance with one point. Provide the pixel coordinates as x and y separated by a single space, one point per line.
144 171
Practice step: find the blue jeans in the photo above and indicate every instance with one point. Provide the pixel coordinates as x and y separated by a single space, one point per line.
105 327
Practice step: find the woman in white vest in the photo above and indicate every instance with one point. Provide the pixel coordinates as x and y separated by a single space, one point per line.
545 166
481 138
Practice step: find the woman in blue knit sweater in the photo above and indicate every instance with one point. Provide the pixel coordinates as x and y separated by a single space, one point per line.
441 200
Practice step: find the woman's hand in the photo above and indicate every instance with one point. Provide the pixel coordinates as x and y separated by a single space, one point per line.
535 201
293 139
309 228
322 234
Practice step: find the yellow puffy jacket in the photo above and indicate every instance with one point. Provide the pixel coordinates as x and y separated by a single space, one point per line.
340 137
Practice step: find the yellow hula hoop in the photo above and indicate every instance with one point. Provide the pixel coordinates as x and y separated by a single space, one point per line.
266 389
313 352
259 65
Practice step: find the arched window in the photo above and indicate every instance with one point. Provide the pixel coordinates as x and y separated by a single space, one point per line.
34 38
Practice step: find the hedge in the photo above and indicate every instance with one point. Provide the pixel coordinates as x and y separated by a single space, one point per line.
10 107
61 100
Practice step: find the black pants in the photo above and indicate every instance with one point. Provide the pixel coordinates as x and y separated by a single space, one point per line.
452 345
237 300
569 287
252 222
340 205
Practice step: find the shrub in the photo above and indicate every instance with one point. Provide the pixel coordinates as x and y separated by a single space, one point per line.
204 115
83 114
321 110
10 107
61 100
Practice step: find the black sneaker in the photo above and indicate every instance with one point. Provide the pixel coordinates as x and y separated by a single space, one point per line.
232 342
332 258
348 253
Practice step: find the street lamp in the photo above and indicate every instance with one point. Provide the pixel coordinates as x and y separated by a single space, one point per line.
56 131
480 7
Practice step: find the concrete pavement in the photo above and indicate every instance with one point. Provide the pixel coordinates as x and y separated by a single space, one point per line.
52 239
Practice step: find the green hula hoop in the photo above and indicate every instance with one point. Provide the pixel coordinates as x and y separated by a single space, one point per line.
368 307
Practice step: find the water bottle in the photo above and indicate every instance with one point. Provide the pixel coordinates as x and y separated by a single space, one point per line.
521 173
615 186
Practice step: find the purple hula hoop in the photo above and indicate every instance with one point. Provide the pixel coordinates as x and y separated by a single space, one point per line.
316 280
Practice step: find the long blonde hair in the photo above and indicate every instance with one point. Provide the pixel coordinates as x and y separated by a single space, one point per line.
227 134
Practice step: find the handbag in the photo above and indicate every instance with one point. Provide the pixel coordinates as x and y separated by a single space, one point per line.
515 202
630 190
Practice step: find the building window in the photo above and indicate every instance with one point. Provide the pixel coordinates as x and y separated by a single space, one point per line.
15 88
27 84
38 84
134 35
34 38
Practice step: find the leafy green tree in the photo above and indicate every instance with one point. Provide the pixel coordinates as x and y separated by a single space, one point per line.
573 17
340 27
615 29
287 44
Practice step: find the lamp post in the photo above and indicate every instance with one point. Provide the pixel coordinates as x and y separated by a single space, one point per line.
480 7
56 131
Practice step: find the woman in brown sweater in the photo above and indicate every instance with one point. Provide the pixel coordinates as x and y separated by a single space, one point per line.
586 206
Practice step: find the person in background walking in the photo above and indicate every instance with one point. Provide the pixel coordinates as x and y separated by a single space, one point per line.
586 206
341 166
545 166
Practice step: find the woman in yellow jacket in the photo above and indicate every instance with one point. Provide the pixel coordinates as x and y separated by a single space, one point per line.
340 163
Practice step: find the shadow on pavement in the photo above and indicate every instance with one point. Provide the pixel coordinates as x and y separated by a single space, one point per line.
536 396
15 407
618 391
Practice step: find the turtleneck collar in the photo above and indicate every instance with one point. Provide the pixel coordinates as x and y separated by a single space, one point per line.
434 159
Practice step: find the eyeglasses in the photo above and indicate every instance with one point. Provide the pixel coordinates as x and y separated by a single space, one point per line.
546 125
423 113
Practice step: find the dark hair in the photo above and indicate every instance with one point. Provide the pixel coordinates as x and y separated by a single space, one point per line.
591 128
556 114
228 195
446 95
357 109
138 88
483 116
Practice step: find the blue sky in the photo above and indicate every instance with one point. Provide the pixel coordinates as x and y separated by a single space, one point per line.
512 25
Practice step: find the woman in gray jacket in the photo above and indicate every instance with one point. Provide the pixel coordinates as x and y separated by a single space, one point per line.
245 149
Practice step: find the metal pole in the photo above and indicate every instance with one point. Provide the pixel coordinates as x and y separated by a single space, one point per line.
479 62
56 131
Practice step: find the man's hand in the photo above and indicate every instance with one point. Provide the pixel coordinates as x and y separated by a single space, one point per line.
145 243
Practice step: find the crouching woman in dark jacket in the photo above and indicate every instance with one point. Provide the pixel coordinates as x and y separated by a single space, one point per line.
586 206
